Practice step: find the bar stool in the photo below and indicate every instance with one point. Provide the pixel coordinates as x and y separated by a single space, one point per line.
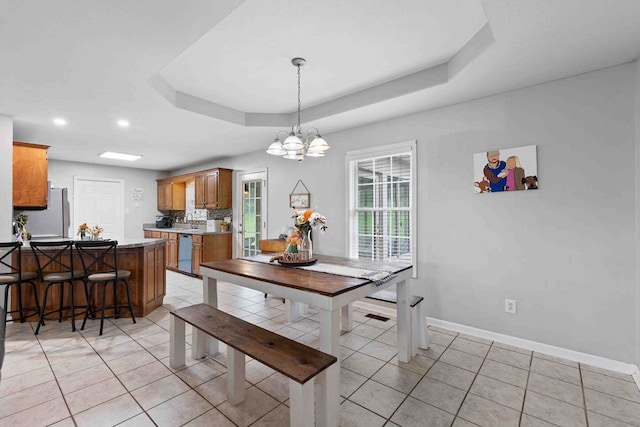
100 262
55 266
13 275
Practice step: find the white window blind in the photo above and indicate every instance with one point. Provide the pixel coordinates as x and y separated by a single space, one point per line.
382 203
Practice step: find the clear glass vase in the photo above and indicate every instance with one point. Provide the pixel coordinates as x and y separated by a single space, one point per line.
307 246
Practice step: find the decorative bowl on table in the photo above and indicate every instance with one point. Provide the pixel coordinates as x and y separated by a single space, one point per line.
295 262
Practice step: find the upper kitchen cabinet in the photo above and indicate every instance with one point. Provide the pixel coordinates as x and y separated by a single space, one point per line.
30 174
171 195
213 189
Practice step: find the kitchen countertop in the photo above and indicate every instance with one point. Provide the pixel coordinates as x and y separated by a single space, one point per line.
198 231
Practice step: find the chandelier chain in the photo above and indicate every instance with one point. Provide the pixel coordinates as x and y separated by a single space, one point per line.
298 97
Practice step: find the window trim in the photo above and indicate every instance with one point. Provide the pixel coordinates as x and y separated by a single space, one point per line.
385 151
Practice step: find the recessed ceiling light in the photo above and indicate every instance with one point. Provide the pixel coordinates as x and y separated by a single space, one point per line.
123 123
120 156
59 121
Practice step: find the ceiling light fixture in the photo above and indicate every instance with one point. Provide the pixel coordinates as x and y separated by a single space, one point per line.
58 121
295 146
123 123
120 156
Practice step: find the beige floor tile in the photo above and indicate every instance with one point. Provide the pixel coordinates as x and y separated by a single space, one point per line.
276 418
389 338
352 415
556 370
202 372
256 404
28 398
130 361
553 410
378 398
153 340
353 341
96 394
529 421
452 375
434 351
16 383
607 372
120 350
67 422
276 386
350 382
485 412
414 413
210 419
439 394
476 339
599 420
256 371
159 391
109 413
367 331
558 389
418 364
71 366
611 385
498 391
509 357
144 375
505 373
379 350
362 364
613 407
512 348
470 346
397 378
440 338
556 359
140 420
180 409
215 390
443 330
42 414
86 378
462 360
461 422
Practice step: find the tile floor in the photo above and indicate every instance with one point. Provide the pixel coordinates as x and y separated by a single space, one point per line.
66 378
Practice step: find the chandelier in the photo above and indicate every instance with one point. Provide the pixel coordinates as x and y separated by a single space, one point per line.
296 146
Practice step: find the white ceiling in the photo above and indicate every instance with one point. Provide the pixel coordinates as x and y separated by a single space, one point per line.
204 79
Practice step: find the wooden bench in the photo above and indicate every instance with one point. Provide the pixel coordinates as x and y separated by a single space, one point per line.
418 323
292 359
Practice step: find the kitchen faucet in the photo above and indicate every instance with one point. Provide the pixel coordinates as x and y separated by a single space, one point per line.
186 219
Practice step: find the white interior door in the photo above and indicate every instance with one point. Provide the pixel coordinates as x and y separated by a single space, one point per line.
251 212
99 201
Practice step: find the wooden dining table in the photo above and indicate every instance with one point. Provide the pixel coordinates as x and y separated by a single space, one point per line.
330 294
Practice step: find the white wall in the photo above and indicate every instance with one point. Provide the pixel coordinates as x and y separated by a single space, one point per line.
566 252
61 175
6 177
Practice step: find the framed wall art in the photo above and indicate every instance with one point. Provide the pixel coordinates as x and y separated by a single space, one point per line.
299 199
505 169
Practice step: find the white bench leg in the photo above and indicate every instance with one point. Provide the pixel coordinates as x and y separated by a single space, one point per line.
235 376
198 344
301 403
176 342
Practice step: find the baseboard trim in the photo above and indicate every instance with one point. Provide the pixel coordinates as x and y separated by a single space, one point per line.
589 359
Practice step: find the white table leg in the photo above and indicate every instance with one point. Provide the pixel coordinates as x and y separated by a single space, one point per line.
176 342
210 297
328 386
235 376
422 328
292 309
301 404
347 318
405 344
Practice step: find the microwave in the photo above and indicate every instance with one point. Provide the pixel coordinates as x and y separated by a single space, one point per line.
164 221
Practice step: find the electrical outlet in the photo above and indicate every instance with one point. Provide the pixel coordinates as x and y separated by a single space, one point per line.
510 306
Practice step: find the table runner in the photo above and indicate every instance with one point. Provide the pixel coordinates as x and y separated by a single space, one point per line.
377 276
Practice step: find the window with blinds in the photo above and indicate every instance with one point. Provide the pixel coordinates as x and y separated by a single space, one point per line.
382 203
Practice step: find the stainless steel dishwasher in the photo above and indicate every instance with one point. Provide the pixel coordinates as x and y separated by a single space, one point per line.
185 248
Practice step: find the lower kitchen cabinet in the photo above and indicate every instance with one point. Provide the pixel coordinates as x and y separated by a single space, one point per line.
172 250
210 247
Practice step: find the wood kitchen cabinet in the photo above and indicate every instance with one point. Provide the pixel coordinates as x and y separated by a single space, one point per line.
171 195
213 189
172 250
210 247
30 175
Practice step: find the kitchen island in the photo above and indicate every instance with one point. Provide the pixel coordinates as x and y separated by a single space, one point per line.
144 258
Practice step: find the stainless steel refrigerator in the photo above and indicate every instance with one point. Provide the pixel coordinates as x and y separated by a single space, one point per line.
51 222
